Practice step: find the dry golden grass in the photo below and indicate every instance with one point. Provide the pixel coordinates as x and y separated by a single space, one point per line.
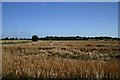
0 62
62 59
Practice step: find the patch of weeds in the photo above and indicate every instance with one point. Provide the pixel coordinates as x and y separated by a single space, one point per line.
100 45
88 45
6 43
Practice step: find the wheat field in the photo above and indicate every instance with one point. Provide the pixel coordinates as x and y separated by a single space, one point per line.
62 59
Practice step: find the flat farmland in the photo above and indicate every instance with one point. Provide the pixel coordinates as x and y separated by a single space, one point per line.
62 59
7 42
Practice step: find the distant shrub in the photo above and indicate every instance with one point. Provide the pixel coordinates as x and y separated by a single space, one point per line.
35 38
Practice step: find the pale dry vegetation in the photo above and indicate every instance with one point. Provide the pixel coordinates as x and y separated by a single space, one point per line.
62 59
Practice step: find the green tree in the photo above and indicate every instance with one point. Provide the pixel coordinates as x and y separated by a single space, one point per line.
35 38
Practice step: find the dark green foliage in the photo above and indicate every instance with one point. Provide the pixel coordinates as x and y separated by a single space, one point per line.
35 38
105 38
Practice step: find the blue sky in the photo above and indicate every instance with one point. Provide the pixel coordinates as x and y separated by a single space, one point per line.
24 19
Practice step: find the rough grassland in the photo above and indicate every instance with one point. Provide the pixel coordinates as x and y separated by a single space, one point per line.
62 59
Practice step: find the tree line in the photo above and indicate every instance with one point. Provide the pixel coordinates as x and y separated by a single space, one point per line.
78 38
35 38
